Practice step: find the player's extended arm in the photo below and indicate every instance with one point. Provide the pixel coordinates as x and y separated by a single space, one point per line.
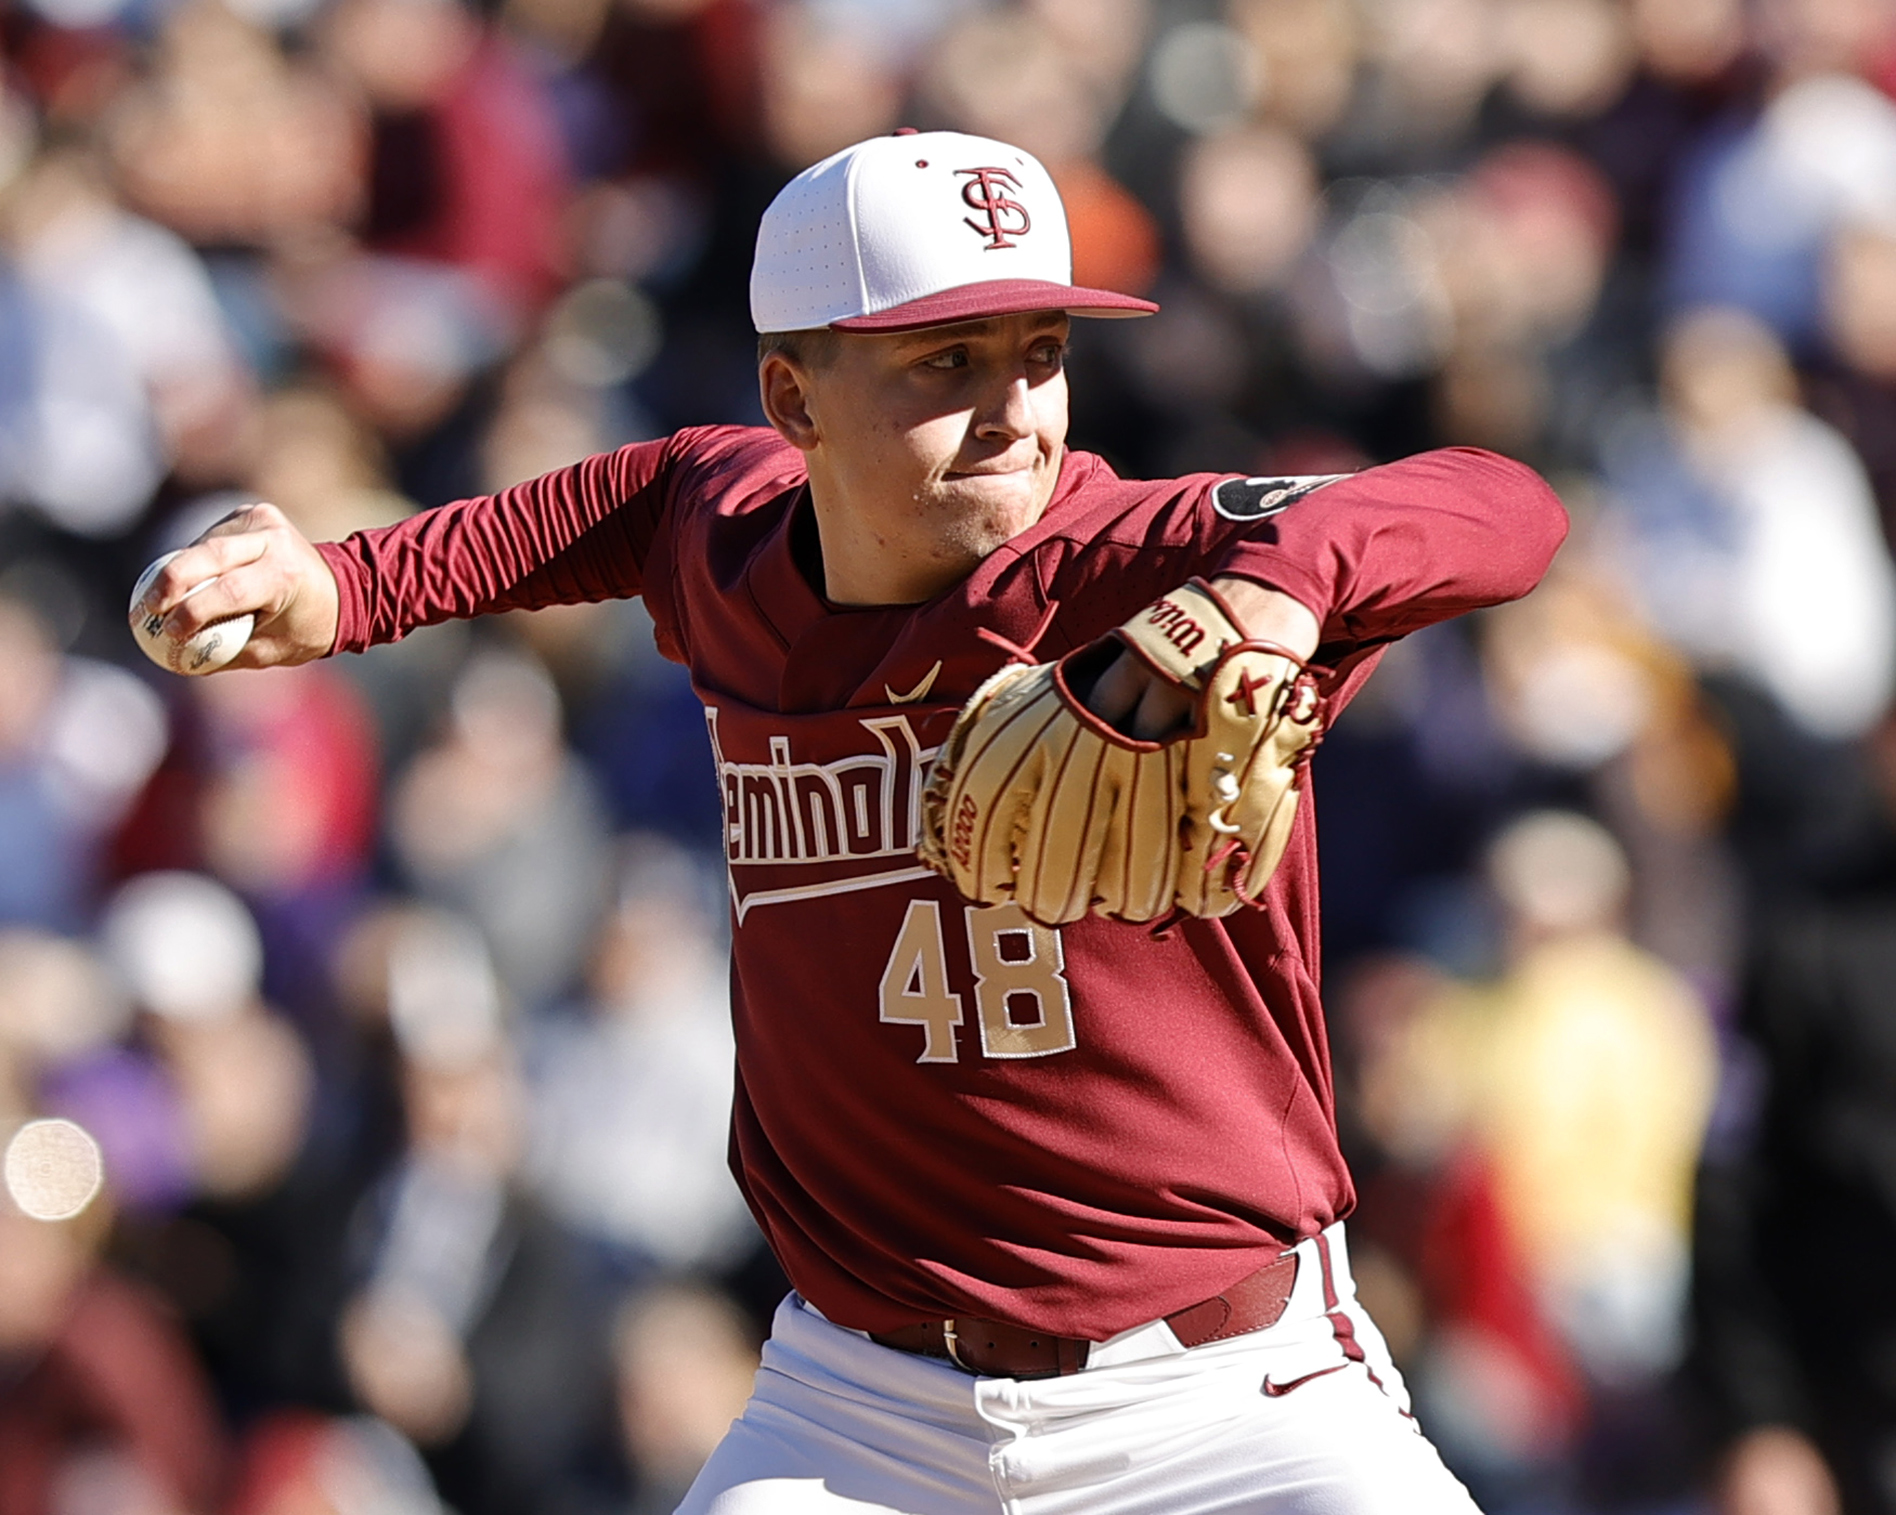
1380 554
1395 548
573 536
576 534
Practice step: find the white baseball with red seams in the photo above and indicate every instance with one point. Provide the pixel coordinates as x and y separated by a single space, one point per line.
211 649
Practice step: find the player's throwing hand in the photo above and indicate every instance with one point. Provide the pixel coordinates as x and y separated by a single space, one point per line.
253 562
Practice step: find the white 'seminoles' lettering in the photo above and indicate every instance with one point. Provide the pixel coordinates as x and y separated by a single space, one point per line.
851 823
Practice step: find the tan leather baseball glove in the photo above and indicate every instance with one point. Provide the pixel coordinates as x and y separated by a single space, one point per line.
1036 801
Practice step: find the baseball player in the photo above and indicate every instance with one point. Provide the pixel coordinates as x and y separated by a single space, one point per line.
1039 1121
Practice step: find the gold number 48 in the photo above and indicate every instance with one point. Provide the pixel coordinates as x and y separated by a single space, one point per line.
1023 1004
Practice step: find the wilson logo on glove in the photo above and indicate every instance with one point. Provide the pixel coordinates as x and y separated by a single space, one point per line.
1176 626
962 844
1035 801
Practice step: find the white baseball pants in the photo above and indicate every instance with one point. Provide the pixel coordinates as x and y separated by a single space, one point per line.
1308 1417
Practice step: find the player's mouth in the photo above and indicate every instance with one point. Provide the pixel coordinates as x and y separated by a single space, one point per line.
995 470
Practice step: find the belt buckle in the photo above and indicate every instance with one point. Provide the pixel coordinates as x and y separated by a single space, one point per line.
949 1339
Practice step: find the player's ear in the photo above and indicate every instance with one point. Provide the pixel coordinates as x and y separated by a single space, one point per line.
784 387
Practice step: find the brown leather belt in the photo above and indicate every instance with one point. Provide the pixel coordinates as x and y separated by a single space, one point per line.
994 1349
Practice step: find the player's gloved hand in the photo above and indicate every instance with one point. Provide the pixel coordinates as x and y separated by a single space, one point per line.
263 566
1036 800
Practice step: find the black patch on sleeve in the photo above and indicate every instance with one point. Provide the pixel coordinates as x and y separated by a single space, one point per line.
1255 499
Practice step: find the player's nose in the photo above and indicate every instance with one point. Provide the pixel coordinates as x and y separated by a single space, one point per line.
1007 413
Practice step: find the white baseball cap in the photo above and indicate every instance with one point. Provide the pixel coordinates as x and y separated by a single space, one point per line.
919 229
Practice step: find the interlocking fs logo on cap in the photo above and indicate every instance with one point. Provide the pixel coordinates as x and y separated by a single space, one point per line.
986 192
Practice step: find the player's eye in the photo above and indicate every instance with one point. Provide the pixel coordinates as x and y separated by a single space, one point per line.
951 357
1049 353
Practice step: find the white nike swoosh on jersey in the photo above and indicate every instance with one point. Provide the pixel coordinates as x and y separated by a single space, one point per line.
920 691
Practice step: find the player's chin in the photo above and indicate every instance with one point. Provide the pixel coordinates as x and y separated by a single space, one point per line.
1000 497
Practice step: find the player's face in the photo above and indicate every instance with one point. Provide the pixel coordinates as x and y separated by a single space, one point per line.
930 449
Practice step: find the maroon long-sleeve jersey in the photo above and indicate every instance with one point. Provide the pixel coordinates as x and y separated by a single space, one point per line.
943 1109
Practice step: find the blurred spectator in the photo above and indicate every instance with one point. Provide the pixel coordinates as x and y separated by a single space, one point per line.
1445 1268
300 733
632 1104
298 1463
141 283
319 464
825 83
275 793
78 739
1752 536
1524 254
1430 63
684 1362
472 1331
1307 52
1558 1114
78 441
215 1103
57 1001
1757 201
644 734
1601 1084
1793 1340
1566 60
1248 201
184 947
103 1406
1853 387
271 783
497 820
229 142
466 166
1583 687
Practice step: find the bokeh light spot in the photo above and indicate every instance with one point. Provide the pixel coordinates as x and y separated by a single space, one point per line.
53 1169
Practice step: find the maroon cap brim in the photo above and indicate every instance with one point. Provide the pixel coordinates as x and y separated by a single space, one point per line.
998 297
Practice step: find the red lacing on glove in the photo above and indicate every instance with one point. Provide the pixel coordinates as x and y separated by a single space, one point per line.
1308 677
1239 857
1236 858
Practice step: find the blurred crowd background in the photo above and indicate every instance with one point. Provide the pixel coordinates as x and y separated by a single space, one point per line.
391 992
